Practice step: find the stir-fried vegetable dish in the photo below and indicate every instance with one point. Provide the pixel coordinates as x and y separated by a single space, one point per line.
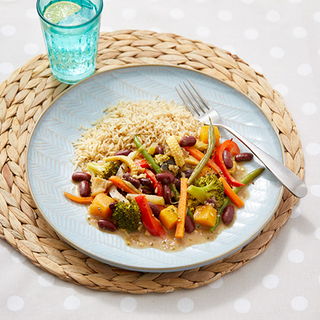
187 186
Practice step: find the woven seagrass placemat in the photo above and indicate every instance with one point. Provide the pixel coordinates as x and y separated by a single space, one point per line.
29 91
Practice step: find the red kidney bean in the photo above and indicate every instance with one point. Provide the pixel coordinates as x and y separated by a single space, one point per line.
155 209
128 177
124 152
227 159
244 156
188 173
210 201
188 141
106 224
79 176
165 177
177 183
228 214
167 194
146 190
84 188
112 205
146 182
122 192
189 224
159 150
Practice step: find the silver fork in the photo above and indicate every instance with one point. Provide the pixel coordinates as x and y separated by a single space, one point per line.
198 106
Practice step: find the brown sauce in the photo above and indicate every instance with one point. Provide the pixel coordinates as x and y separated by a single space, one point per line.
142 239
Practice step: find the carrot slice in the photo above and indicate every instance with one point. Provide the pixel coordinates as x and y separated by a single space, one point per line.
231 194
119 183
81 200
199 155
182 209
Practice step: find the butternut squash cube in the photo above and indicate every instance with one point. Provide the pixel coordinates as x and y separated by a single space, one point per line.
169 217
205 215
100 206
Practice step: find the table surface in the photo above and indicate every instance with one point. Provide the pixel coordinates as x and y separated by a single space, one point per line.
280 39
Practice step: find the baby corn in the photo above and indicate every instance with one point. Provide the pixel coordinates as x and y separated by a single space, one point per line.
176 151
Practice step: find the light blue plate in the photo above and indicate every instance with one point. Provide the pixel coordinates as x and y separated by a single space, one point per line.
49 167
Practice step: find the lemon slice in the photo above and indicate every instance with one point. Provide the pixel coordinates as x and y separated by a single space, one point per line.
60 10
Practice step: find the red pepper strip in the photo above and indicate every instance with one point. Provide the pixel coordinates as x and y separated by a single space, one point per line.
151 223
233 148
157 186
142 163
81 200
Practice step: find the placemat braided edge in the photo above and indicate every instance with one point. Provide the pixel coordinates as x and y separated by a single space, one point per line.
30 89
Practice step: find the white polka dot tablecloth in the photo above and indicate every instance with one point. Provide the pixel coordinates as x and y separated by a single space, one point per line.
280 39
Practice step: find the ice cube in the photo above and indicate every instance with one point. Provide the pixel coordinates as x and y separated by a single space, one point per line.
87 13
78 18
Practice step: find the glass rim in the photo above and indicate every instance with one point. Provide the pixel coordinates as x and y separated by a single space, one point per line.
72 27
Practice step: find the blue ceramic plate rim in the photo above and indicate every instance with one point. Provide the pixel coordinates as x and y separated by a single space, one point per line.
126 252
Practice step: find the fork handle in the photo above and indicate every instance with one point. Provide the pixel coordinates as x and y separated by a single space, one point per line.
291 181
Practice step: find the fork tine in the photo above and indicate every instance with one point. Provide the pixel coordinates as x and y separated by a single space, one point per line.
194 99
204 102
191 103
188 105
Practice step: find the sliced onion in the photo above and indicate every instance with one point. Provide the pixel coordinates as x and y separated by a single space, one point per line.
150 197
116 195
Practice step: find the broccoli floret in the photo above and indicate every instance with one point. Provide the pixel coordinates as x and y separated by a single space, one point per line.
207 187
126 215
104 170
192 203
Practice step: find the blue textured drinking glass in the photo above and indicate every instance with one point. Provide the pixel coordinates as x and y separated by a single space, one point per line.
72 43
